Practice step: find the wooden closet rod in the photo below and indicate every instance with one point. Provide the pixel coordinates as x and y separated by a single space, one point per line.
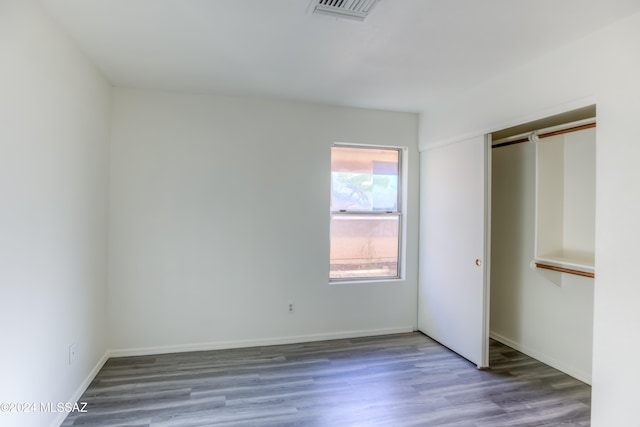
547 135
565 270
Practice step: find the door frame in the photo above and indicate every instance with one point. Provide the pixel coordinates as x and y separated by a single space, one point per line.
486 326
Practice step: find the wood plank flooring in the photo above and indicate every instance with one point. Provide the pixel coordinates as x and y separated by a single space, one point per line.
393 380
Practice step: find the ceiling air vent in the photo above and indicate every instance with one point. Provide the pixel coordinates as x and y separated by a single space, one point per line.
348 9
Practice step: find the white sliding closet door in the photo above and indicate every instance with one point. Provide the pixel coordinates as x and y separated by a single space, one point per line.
454 213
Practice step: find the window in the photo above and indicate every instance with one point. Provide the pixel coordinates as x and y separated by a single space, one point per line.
365 213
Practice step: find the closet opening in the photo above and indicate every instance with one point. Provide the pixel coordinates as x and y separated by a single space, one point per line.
543 239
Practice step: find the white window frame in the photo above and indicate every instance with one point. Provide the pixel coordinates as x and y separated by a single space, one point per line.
399 212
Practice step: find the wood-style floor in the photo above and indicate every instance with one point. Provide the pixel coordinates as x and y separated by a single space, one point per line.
394 380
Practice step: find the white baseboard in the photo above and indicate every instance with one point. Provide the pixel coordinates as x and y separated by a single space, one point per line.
222 345
554 363
81 388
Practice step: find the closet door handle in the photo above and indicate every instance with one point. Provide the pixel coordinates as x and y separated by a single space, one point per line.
478 262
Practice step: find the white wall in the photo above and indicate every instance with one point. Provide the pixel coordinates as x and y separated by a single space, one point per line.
526 304
602 67
219 219
54 121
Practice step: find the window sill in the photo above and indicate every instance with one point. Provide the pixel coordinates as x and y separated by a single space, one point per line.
364 281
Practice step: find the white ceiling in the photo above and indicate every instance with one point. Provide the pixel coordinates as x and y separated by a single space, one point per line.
405 55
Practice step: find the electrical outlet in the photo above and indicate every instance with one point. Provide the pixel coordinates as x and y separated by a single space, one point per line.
72 354
292 307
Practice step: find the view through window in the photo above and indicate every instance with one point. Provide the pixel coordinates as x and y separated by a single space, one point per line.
365 213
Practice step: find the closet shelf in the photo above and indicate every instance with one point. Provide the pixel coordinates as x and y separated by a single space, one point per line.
565 202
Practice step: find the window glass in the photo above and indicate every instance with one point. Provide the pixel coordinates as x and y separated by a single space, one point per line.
364 179
364 246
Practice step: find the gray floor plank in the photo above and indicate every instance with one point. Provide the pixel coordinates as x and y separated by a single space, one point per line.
395 380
